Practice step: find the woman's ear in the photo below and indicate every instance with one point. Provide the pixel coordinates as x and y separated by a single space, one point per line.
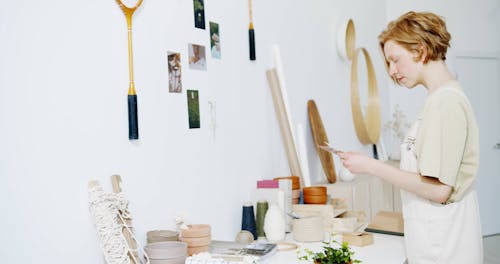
422 54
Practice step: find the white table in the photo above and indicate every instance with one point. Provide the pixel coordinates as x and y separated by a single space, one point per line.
387 249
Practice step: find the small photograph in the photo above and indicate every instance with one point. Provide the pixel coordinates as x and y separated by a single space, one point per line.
197 59
214 40
174 72
199 14
193 108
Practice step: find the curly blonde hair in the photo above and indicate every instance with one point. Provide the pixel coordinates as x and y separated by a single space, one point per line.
419 31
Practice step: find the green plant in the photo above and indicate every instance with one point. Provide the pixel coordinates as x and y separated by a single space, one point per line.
341 254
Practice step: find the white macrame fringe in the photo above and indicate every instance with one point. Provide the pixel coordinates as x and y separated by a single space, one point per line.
110 211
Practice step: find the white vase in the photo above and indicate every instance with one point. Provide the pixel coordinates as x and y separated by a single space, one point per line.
274 223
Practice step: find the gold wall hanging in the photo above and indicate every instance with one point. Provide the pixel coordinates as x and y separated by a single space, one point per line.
367 126
346 39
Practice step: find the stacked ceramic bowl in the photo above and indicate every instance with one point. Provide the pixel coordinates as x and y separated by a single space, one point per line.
308 229
162 236
197 238
168 252
315 195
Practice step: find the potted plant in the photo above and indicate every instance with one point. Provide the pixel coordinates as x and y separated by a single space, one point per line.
341 254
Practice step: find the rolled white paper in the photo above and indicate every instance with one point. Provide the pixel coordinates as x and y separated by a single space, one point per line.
304 161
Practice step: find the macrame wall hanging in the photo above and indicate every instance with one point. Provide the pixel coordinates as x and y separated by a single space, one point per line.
112 221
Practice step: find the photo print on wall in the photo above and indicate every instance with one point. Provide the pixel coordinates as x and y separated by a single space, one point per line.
193 109
199 14
174 72
214 40
197 58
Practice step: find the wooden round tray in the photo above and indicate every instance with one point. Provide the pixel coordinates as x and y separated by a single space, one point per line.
320 136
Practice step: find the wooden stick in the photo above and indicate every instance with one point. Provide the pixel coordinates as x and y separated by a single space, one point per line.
93 183
116 181
283 119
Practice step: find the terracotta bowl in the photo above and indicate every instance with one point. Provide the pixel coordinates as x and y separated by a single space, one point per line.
314 190
315 199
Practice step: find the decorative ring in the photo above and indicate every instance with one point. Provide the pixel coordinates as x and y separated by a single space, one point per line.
367 127
346 40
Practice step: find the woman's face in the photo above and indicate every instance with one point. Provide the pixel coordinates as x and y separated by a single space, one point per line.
402 65
196 50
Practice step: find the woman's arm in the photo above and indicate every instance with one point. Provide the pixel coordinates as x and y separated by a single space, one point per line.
427 187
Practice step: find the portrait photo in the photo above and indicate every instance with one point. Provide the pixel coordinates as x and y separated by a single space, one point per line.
174 72
214 40
197 57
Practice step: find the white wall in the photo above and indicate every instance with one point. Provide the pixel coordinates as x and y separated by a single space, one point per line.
63 114
63 120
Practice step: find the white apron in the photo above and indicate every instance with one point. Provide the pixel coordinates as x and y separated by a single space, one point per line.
437 233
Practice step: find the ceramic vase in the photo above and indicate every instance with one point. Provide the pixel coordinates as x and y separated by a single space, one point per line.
274 223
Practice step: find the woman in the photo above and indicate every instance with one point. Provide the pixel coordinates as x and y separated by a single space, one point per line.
440 155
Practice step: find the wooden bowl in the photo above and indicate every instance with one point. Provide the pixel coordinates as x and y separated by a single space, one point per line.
314 190
315 199
197 241
199 230
295 181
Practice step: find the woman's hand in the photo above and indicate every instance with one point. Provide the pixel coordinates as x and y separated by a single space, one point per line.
427 187
357 163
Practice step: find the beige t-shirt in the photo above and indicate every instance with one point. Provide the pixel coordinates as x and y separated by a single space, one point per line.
447 142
